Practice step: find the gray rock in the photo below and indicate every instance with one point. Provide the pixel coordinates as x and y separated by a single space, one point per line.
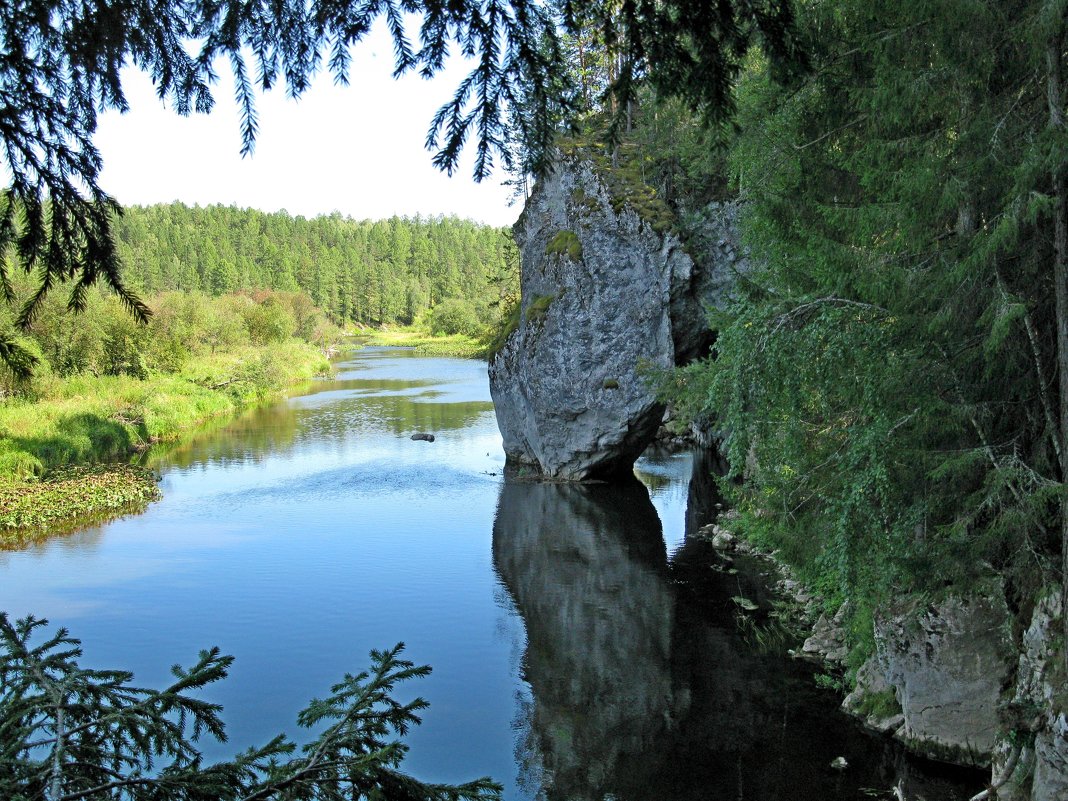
1042 774
870 682
606 300
828 638
947 664
1050 782
723 540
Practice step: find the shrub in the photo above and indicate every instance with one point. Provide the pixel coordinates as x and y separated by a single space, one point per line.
454 316
269 321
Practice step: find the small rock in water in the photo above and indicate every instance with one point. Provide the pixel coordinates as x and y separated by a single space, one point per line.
839 763
423 436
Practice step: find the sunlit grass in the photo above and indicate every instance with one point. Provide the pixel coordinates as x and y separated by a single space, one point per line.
86 418
451 345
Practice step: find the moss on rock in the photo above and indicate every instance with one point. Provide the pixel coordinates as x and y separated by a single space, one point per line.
539 306
565 243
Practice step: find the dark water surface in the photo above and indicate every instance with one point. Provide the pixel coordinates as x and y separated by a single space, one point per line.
582 647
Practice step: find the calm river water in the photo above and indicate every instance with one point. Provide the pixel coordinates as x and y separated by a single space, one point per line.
582 647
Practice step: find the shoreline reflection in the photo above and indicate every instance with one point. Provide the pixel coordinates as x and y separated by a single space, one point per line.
643 684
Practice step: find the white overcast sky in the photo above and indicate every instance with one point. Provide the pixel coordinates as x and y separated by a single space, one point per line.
356 149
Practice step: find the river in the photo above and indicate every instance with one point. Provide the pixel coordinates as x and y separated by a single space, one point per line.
583 647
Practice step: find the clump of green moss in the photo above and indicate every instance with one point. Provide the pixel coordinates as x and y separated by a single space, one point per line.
538 306
882 704
623 174
565 243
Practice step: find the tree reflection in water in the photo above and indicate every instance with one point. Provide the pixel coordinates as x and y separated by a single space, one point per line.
643 686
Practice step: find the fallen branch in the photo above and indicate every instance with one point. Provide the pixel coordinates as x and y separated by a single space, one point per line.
1010 766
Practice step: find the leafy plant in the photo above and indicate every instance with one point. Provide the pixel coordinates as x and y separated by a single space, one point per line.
70 733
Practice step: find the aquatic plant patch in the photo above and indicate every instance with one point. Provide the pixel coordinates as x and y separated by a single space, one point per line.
70 497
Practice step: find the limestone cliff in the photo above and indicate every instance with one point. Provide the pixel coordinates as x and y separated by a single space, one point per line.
606 298
968 691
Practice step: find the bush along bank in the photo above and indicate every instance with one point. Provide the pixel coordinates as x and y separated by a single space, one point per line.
105 389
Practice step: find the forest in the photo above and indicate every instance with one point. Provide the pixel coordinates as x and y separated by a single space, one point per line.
370 273
890 373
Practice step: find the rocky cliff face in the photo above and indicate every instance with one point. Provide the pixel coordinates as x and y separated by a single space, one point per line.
969 693
606 298
1032 754
948 665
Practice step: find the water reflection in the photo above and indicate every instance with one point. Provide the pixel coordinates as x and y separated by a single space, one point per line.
584 566
311 531
643 684
377 392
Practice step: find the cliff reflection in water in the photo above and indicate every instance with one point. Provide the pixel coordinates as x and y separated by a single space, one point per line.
643 686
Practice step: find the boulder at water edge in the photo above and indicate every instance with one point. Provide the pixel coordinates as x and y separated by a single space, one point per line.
607 300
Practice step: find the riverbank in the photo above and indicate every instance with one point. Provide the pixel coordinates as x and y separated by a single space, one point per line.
69 498
459 345
96 422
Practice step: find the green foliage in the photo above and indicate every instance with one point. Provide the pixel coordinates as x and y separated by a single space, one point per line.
71 732
508 323
881 705
70 497
565 243
377 273
117 386
454 316
829 682
269 322
885 369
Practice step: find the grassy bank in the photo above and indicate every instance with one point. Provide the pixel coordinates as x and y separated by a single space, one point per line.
86 419
459 345
104 388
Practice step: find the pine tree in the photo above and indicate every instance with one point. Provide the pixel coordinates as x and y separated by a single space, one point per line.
888 374
63 60
69 733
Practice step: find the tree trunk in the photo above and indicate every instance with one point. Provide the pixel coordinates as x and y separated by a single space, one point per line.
1055 95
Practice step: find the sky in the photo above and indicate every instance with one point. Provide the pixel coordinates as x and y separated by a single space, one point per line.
357 150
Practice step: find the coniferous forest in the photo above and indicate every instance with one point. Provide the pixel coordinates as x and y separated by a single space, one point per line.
365 272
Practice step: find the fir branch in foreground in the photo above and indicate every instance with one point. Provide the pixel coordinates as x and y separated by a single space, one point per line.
69 733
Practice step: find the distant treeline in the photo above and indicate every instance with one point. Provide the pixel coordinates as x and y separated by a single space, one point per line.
373 273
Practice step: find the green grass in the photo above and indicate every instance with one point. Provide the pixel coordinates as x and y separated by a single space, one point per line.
451 345
88 420
882 704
